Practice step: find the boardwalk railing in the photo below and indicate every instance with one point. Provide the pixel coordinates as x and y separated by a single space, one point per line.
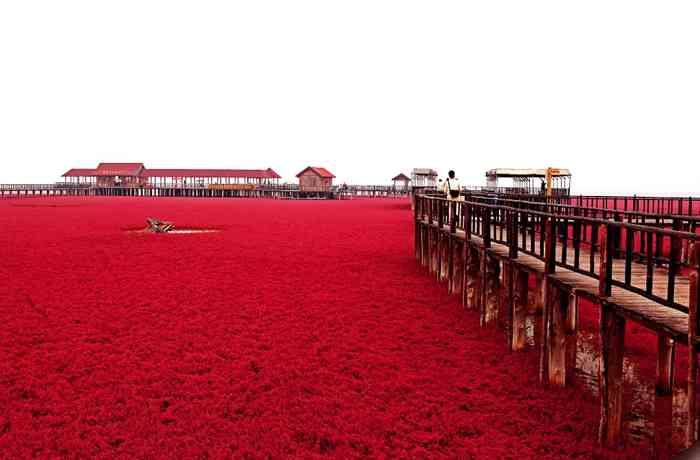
623 240
483 247
650 204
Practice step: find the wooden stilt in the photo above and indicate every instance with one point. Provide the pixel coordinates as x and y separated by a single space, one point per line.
663 406
519 306
571 329
417 238
694 304
438 252
557 310
445 241
490 288
424 246
483 277
545 333
538 304
505 308
465 273
474 279
612 333
434 250
457 267
450 262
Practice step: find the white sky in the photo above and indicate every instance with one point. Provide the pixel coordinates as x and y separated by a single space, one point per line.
609 89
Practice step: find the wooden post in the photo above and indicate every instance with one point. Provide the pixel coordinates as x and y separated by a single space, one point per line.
473 279
486 224
545 331
550 245
612 333
444 255
483 281
519 334
438 251
434 249
539 294
458 263
616 233
466 211
491 286
694 304
430 210
674 261
505 308
557 306
417 230
663 404
571 328
425 251
606 262
450 261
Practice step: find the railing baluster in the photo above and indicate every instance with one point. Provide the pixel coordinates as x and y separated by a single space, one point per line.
629 243
551 237
607 246
486 227
513 248
577 243
467 221
673 257
650 263
564 239
594 242
543 232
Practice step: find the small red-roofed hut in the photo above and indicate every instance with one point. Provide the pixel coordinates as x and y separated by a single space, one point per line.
315 179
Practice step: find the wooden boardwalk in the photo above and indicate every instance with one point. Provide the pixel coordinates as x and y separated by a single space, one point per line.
489 266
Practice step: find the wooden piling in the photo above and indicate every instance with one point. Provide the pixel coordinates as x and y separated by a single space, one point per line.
612 333
505 307
490 282
519 306
570 330
473 278
458 265
694 304
556 307
663 404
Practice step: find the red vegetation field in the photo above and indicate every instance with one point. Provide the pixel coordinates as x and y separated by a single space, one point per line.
301 329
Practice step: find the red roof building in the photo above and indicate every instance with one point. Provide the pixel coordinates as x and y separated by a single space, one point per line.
268 173
315 179
136 174
119 169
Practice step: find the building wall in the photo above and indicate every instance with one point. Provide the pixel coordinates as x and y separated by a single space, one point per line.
312 182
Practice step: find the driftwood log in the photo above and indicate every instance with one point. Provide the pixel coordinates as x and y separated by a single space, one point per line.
159 226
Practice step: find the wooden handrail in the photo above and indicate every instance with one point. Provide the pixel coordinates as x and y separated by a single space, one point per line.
613 239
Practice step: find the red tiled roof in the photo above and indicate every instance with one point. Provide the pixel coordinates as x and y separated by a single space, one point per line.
241 173
119 169
80 172
401 176
323 172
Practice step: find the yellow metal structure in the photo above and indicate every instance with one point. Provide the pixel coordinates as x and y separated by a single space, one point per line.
550 173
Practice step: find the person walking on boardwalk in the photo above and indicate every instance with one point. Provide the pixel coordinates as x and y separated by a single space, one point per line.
451 187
